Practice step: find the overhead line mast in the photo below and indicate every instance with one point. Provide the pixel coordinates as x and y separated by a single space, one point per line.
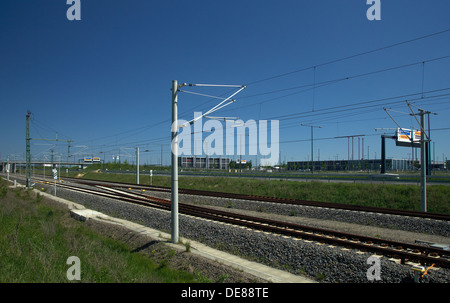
28 149
174 143
423 146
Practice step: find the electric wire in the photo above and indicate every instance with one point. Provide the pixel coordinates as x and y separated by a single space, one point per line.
331 62
350 57
329 110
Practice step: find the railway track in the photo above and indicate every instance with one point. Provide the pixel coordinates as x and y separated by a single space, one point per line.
427 215
405 252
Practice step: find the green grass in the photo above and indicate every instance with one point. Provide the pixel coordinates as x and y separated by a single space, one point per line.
395 196
38 236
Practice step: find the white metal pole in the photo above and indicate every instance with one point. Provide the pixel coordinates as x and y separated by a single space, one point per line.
174 217
137 165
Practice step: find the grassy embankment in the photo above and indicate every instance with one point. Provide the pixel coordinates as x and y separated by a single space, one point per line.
379 195
38 236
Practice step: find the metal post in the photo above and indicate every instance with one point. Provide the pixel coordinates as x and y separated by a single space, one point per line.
7 168
423 166
412 149
312 145
28 151
359 149
348 153
137 165
429 166
174 145
312 150
362 149
240 153
383 154
353 168
174 196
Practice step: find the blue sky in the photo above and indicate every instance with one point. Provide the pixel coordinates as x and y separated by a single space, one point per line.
104 81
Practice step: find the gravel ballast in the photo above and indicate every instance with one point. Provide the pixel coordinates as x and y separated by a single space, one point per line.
315 261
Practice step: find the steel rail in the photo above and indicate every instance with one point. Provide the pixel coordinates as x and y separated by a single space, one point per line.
411 213
404 251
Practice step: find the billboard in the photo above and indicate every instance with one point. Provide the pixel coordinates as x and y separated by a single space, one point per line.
405 136
92 159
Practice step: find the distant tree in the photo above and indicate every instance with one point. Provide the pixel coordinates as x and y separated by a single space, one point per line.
233 164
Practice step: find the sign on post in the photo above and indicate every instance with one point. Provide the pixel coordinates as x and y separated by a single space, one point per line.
406 137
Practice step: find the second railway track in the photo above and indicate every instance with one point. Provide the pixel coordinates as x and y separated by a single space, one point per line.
427 215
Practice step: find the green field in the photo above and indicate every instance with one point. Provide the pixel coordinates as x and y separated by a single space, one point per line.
38 236
378 195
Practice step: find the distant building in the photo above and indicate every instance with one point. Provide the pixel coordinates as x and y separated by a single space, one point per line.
353 165
204 162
